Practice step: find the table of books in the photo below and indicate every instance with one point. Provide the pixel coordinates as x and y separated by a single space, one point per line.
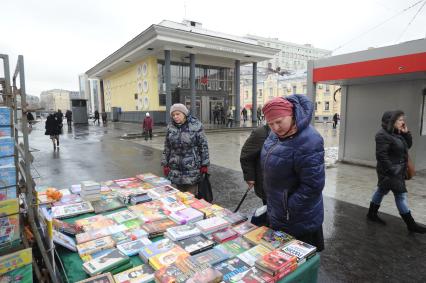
232 246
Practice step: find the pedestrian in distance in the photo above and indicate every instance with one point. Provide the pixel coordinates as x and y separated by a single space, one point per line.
393 141
250 160
230 118
336 119
30 119
293 169
244 113
104 118
96 117
68 115
259 115
52 129
147 125
222 115
186 153
60 119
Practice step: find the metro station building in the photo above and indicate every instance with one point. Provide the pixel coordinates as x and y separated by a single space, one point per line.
176 62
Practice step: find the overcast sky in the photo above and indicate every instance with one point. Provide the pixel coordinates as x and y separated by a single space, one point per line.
61 39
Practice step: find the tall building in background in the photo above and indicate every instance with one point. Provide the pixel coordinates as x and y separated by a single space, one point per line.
292 56
54 99
84 88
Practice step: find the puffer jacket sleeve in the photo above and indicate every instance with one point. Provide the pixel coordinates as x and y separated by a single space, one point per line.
309 166
408 139
383 144
203 147
250 153
166 152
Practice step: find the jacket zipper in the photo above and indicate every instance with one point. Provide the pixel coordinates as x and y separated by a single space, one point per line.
287 212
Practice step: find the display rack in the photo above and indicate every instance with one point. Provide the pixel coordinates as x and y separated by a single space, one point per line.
14 97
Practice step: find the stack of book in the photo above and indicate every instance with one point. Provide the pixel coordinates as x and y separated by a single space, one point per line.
133 247
185 197
231 268
163 191
90 190
171 204
94 246
94 222
277 264
303 251
157 228
155 248
251 255
275 239
211 225
108 262
70 210
187 215
224 235
166 258
139 198
181 232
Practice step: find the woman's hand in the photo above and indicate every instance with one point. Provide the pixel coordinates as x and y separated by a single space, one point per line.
404 129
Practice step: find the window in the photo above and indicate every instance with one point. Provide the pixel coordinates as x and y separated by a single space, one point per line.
327 106
136 96
327 88
316 106
319 86
260 93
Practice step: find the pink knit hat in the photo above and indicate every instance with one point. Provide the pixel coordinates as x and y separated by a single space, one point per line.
276 108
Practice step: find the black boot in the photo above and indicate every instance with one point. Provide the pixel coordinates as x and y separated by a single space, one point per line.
412 225
372 214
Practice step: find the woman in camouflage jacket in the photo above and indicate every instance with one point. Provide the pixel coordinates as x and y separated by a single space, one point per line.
186 153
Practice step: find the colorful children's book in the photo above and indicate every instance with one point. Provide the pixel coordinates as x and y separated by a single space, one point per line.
106 204
187 215
255 236
139 274
70 210
166 258
9 221
94 222
197 244
65 227
275 239
106 262
101 278
133 247
299 249
155 248
251 255
231 267
95 246
171 204
122 216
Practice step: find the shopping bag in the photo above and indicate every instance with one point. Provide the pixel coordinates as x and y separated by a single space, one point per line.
260 217
411 170
205 188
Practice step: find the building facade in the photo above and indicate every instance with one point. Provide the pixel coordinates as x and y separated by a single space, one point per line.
292 56
52 100
175 62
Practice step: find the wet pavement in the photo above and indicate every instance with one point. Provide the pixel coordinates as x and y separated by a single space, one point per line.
356 250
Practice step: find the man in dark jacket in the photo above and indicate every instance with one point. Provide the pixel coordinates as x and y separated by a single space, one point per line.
250 160
293 169
392 143
68 115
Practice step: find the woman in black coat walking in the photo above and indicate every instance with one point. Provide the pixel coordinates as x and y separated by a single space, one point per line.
53 129
392 144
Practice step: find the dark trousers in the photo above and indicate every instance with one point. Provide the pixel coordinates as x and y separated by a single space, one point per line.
314 238
334 124
230 122
148 133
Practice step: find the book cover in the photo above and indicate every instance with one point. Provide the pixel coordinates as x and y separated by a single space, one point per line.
211 257
199 204
187 215
15 260
244 228
94 222
155 248
285 272
134 247
224 235
146 176
101 278
64 240
132 224
9 207
70 210
231 268
105 262
212 224
275 239
158 181
68 199
91 247
234 247
275 261
211 210
92 235
89 257
157 228
195 245
65 227
163 191
124 182
170 203
139 274
210 275
299 249
179 271
122 216
253 275
107 204
166 258
251 255
182 232
255 236
235 218
136 199
9 228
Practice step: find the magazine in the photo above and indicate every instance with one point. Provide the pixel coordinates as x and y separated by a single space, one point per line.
70 210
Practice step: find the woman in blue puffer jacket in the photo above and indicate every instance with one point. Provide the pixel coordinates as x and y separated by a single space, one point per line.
293 165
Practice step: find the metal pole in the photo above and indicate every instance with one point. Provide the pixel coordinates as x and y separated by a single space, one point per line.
311 86
7 91
192 81
254 94
168 81
237 91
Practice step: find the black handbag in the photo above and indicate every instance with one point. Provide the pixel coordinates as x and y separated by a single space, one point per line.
205 188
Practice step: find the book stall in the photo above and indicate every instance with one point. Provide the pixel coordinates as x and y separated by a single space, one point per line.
142 229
